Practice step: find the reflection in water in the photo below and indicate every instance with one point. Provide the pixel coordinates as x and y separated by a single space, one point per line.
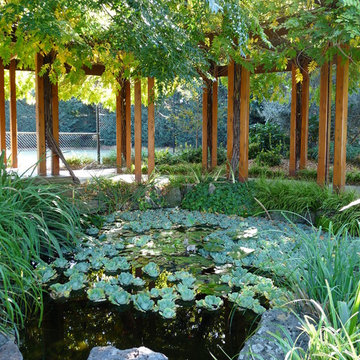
71 329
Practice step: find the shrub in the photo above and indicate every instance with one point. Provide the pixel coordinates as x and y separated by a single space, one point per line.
269 157
268 136
79 161
109 159
225 198
254 149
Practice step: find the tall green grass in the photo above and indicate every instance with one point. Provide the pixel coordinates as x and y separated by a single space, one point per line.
36 222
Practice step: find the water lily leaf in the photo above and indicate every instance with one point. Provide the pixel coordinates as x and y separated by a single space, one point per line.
168 293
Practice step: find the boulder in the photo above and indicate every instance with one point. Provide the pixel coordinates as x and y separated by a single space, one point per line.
172 197
112 353
8 349
264 346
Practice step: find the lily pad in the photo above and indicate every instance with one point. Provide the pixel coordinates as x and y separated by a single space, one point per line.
96 294
210 302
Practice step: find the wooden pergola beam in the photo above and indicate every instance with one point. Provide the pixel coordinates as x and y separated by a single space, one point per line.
13 115
324 124
244 125
341 112
151 126
2 111
55 162
137 130
40 116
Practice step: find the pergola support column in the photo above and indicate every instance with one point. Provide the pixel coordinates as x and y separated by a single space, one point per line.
244 125
341 112
128 123
120 119
292 159
230 114
151 126
324 124
55 164
2 111
13 116
305 87
137 130
204 129
214 121
40 116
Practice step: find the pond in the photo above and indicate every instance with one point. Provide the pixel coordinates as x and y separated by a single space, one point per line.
183 283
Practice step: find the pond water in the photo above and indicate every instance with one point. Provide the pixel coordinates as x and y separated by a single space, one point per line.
182 283
71 329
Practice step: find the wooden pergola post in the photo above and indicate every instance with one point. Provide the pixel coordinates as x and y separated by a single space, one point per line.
204 129
341 112
305 87
244 125
128 123
151 126
292 159
324 124
2 111
214 122
40 117
55 165
120 117
137 130
230 114
13 119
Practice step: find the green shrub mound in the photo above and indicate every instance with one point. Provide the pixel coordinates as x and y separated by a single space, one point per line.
224 198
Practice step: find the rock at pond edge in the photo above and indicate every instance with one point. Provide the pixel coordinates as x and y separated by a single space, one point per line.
8 349
263 345
112 353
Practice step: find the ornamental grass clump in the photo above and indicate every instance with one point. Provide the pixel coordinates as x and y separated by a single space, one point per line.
36 222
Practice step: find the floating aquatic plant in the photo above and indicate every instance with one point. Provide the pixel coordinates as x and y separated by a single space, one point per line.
151 269
210 302
166 308
96 294
185 293
138 282
143 302
61 263
125 279
120 297
60 290
45 273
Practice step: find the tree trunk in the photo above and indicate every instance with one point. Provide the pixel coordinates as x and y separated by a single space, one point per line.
51 143
236 125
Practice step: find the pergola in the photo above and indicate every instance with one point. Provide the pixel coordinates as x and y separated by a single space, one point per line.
46 106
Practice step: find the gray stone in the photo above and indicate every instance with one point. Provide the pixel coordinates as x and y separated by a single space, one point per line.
263 345
112 353
212 188
172 197
10 351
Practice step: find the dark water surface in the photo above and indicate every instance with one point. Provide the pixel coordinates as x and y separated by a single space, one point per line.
70 329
